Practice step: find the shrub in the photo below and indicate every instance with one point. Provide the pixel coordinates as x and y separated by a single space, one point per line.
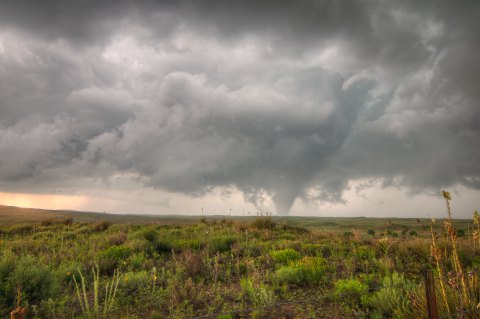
365 252
69 235
285 256
347 234
258 295
54 221
101 226
7 265
164 245
43 235
311 249
134 282
263 223
371 232
117 239
35 281
194 244
110 258
308 271
20 229
222 243
136 261
351 291
67 271
84 230
295 229
193 263
116 252
148 234
392 298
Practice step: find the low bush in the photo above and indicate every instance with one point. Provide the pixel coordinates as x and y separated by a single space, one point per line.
43 235
222 243
20 229
84 230
164 245
149 234
7 266
101 226
117 238
133 282
110 258
392 299
263 223
34 280
55 221
285 256
69 235
351 291
307 271
258 295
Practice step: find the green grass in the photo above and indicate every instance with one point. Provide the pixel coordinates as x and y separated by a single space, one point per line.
180 267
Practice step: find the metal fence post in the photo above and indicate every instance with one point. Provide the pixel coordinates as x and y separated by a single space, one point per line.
430 294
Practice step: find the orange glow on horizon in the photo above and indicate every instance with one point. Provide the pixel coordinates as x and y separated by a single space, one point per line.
43 201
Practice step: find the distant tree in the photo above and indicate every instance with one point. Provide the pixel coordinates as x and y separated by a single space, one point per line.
460 232
371 232
413 233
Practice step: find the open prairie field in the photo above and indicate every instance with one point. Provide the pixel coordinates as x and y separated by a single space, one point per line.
87 265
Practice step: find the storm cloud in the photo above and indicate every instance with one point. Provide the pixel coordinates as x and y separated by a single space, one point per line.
284 100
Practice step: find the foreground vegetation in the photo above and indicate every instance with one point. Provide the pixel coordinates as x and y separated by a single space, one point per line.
60 268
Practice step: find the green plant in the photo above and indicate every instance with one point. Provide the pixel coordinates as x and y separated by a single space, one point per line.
222 243
263 223
20 229
149 234
258 295
347 235
458 290
351 291
285 256
133 282
108 298
33 279
111 257
307 271
7 266
101 226
393 297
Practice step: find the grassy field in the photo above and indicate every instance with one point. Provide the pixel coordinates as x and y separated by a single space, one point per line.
10 215
63 264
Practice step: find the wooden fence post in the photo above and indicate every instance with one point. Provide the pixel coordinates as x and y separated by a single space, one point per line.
430 294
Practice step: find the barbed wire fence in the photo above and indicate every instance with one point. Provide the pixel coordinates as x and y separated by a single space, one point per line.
429 281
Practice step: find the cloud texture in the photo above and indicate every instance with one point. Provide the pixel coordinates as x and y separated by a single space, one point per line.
279 99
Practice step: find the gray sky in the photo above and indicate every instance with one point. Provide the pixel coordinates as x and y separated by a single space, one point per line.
307 107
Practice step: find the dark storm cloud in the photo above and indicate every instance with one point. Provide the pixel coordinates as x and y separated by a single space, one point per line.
291 99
